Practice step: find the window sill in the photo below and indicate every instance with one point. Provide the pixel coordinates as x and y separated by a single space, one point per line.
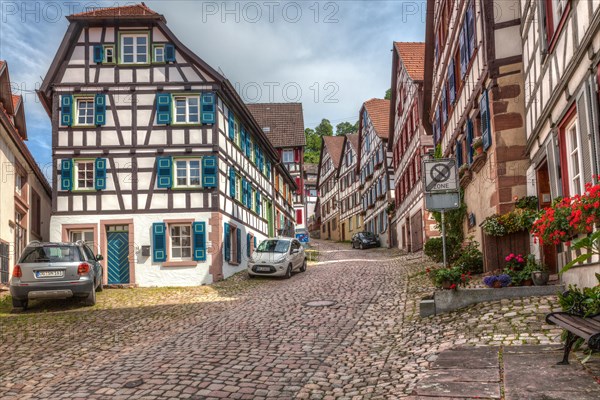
179 264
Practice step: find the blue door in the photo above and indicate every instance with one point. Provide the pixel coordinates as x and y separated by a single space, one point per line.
118 257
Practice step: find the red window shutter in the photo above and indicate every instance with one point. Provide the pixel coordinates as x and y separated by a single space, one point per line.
298 216
297 155
299 184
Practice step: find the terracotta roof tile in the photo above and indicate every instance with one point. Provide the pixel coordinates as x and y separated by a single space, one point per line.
311 168
379 113
131 11
353 139
334 146
412 55
16 99
283 123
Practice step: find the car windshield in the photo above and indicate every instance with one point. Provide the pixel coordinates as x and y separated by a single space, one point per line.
42 254
368 235
273 246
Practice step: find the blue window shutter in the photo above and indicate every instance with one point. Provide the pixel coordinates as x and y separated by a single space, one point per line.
232 182
248 239
258 202
66 110
209 171
208 108
66 174
248 147
443 104
164 172
239 245
255 242
100 167
243 139
463 51
451 82
199 229
469 141
98 53
459 156
159 242
268 169
244 192
169 52
470 32
100 109
163 108
231 125
227 242
484 112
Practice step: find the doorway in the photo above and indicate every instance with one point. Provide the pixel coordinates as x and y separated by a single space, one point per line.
118 254
548 251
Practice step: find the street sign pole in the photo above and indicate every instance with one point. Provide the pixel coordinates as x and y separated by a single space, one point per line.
444 236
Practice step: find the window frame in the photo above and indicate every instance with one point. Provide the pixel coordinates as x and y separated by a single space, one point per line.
83 233
287 152
187 97
76 162
572 127
76 109
134 34
187 160
181 236
105 48
156 47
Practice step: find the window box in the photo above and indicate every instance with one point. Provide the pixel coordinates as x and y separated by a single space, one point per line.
479 162
466 178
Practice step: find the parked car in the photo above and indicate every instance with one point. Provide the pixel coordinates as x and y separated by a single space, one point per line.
363 240
56 271
277 257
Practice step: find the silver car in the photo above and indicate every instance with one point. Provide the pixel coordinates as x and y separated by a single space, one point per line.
277 257
56 271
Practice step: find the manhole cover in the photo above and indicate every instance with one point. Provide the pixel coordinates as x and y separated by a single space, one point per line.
320 303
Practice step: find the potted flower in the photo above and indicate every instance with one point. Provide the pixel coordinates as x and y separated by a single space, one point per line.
449 278
497 281
463 169
539 273
478 145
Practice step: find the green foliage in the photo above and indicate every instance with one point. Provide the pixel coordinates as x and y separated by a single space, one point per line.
527 203
521 274
592 245
453 276
388 94
438 151
453 220
470 259
433 249
324 128
584 302
312 151
345 128
518 220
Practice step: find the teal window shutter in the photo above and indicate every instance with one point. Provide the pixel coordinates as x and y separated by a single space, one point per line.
244 191
100 109
164 172
169 53
227 242
268 169
163 108
231 125
232 182
469 141
484 112
98 53
209 171
248 147
208 108
258 202
243 139
239 245
100 171
248 239
199 229
159 242
255 242
66 174
66 110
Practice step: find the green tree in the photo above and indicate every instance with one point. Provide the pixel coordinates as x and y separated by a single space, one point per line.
324 128
344 128
388 94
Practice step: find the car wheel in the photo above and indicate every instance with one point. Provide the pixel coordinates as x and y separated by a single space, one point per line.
90 300
22 304
360 246
353 245
100 287
288 273
303 267
250 276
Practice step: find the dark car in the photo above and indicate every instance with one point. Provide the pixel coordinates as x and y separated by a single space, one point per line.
56 271
363 240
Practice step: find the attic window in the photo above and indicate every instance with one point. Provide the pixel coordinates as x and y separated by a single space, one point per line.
267 129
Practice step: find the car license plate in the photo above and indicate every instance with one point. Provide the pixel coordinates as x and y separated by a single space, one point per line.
49 274
263 269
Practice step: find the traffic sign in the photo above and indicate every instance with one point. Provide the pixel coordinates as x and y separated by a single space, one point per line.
442 201
440 175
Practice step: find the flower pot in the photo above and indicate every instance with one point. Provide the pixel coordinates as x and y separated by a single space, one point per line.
479 150
540 278
497 285
527 282
446 285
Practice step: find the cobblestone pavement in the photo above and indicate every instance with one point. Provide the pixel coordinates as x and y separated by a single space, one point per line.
260 340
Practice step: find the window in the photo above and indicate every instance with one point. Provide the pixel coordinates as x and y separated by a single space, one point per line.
20 232
554 11
84 173
181 242
287 156
85 111
574 159
134 48
109 55
187 173
159 54
36 218
238 187
86 236
187 110
19 183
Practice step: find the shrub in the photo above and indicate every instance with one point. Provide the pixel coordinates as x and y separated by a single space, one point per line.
453 277
470 259
433 249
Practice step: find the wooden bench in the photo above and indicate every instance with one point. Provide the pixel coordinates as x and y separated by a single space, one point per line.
587 328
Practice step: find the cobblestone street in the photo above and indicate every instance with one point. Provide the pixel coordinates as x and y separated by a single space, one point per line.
255 339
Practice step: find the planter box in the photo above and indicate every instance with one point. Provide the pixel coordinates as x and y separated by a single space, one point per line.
450 300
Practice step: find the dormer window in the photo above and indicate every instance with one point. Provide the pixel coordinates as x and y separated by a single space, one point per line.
134 48
159 54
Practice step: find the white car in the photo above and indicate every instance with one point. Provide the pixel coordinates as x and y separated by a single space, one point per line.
277 257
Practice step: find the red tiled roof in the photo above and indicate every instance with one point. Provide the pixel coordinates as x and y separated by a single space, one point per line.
15 100
132 11
334 146
379 113
413 58
353 139
285 122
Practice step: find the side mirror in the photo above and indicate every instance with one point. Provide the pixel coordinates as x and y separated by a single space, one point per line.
99 257
295 251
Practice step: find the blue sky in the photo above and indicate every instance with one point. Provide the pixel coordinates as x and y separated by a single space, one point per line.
329 55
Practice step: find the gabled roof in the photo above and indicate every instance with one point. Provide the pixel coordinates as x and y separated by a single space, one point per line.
412 55
135 11
335 148
283 123
379 113
353 139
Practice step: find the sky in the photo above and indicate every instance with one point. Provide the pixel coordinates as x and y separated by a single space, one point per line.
329 55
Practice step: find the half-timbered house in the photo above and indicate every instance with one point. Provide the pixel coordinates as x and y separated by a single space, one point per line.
375 168
561 67
474 95
328 186
349 197
24 191
283 123
158 161
409 143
